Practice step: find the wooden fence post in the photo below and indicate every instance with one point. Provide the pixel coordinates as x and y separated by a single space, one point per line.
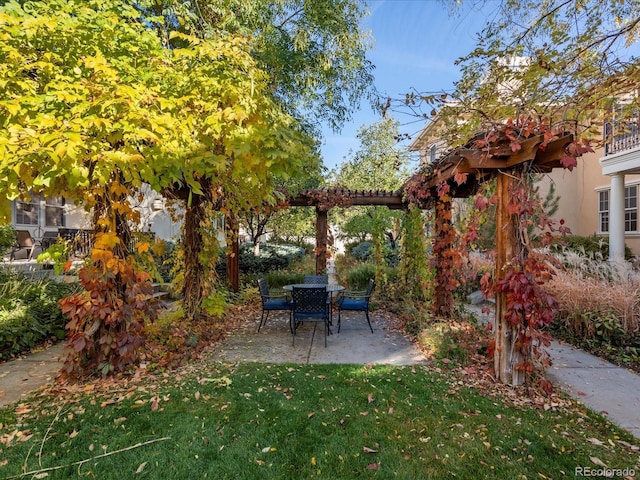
506 356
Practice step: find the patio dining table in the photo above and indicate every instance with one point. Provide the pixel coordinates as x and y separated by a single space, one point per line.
331 289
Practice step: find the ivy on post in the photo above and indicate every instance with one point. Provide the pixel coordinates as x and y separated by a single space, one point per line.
443 241
321 240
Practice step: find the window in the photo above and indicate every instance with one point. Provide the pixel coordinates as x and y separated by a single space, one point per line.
433 153
28 213
631 208
54 212
603 210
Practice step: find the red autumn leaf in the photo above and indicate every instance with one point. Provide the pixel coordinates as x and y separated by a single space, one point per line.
460 178
372 466
568 162
481 202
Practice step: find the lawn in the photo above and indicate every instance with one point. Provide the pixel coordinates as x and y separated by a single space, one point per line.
265 421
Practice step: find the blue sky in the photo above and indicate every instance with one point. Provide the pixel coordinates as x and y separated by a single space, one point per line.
416 45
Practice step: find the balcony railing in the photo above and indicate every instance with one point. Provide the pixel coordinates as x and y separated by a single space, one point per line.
622 142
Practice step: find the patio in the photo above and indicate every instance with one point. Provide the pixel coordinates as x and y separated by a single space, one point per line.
354 344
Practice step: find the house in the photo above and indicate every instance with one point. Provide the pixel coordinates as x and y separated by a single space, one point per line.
599 197
42 216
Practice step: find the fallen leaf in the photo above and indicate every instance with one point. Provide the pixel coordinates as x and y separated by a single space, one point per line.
119 420
266 449
369 450
141 467
311 414
628 445
371 398
595 441
372 466
313 461
197 395
3 462
73 434
597 461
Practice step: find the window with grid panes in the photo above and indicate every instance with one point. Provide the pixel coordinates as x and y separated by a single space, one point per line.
54 212
631 208
603 210
28 212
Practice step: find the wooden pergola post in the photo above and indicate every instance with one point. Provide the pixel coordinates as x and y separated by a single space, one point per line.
321 240
442 243
233 253
506 356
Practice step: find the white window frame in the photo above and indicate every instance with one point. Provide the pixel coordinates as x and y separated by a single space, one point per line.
631 214
33 205
631 208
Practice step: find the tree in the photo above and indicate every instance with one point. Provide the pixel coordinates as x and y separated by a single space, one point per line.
93 105
561 63
277 218
378 164
313 52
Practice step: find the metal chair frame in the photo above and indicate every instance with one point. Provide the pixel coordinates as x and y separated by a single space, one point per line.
356 302
309 305
272 302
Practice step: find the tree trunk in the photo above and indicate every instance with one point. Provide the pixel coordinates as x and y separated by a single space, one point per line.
233 256
193 269
506 356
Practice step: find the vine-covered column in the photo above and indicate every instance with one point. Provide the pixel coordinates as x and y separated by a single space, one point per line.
507 356
443 257
321 240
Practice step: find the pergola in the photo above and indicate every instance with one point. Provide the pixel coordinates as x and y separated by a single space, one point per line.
462 171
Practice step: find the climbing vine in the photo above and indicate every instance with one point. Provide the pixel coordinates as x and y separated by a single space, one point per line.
414 275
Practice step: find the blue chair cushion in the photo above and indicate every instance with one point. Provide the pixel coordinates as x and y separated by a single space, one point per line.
277 304
353 304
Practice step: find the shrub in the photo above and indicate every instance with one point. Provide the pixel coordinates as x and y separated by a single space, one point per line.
590 245
357 277
7 238
29 312
272 257
598 300
362 251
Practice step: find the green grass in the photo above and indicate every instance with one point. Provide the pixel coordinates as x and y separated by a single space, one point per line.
261 421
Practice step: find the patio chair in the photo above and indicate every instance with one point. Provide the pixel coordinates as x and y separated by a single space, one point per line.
316 279
310 305
356 302
271 302
24 241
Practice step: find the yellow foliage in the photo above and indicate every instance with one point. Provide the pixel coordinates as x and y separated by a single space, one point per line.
142 247
106 241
